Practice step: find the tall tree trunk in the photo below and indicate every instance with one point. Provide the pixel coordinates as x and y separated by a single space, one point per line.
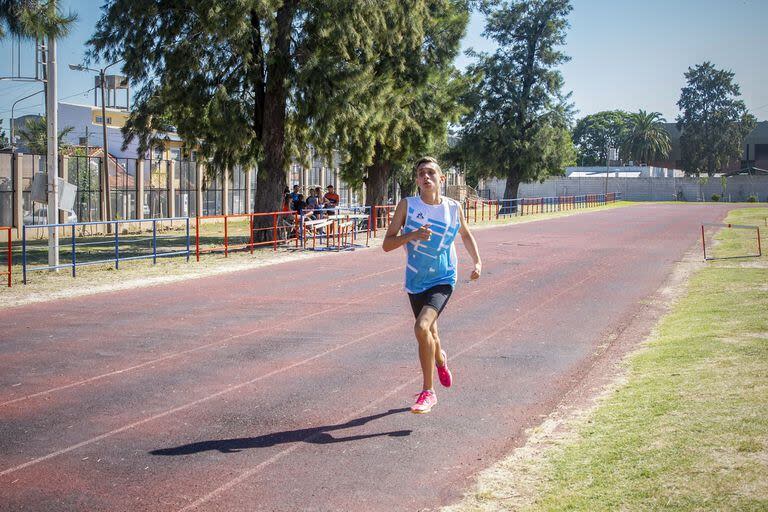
510 191
271 177
376 182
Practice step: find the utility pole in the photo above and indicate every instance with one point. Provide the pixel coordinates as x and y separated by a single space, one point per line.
52 157
105 161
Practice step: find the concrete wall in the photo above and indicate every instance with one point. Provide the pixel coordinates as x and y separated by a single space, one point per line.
738 188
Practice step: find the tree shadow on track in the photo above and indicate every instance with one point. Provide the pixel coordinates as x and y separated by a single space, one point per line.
314 435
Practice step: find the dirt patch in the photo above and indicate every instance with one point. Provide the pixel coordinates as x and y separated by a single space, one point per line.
138 276
513 483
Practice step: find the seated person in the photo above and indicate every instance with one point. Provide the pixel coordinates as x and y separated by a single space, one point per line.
319 204
331 200
299 205
295 193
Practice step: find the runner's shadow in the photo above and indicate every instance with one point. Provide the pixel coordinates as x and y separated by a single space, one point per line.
315 435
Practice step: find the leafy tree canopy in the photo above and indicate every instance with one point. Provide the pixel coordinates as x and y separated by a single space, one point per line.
595 132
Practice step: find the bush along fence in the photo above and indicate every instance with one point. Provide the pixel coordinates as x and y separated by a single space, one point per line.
337 229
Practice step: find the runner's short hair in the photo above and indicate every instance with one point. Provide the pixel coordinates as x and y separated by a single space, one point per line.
427 160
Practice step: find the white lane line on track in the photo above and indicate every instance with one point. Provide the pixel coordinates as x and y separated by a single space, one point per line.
191 350
496 284
247 474
189 404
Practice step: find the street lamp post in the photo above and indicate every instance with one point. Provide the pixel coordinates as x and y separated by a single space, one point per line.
14 106
106 202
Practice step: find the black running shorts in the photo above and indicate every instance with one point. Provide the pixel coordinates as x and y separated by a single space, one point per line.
435 297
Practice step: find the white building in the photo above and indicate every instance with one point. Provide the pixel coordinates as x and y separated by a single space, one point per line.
624 171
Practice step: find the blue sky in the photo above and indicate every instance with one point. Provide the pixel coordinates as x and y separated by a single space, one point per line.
625 54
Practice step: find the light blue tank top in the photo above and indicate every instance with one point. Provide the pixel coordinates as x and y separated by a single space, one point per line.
432 262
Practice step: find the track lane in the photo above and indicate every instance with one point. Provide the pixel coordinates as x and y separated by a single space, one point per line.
533 361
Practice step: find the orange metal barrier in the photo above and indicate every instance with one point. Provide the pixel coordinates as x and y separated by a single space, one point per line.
9 261
285 227
381 216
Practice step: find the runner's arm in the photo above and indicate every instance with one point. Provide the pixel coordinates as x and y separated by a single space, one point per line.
393 240
470 245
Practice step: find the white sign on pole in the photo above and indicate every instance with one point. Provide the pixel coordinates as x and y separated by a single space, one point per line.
67 192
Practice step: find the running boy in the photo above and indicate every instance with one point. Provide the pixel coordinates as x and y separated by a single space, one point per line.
429 224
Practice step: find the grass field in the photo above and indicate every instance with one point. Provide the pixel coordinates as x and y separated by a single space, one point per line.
688 430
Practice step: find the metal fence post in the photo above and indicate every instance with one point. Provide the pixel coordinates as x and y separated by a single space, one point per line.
117 247
74 253
197 238
10 256
226 235
24 254
274 231
187 239
250 228
154 241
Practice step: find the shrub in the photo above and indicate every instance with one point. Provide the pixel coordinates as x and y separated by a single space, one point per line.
715 197
752 199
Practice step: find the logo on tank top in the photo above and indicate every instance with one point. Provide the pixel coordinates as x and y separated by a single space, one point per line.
419 215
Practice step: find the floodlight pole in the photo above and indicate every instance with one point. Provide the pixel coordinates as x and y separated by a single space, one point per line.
105 203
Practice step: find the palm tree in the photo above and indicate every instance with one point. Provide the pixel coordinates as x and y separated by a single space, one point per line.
646 139
34 136
3 137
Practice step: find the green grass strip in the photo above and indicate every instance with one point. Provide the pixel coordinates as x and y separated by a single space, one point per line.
689 431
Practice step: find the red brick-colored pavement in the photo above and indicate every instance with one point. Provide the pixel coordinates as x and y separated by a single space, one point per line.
286 387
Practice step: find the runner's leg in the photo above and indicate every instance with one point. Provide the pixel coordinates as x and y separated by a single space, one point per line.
423 331
438 349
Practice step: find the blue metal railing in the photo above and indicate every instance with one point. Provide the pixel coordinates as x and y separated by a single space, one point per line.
518 207
114 241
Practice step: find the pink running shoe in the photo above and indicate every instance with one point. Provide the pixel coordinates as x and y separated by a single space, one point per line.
446 379
424 402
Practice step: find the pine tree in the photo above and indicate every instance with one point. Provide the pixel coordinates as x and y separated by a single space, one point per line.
712 122
518 125
406 94
248 81
33 18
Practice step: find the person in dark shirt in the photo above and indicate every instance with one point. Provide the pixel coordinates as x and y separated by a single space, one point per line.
299 205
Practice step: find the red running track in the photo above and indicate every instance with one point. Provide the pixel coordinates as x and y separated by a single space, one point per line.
286 387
